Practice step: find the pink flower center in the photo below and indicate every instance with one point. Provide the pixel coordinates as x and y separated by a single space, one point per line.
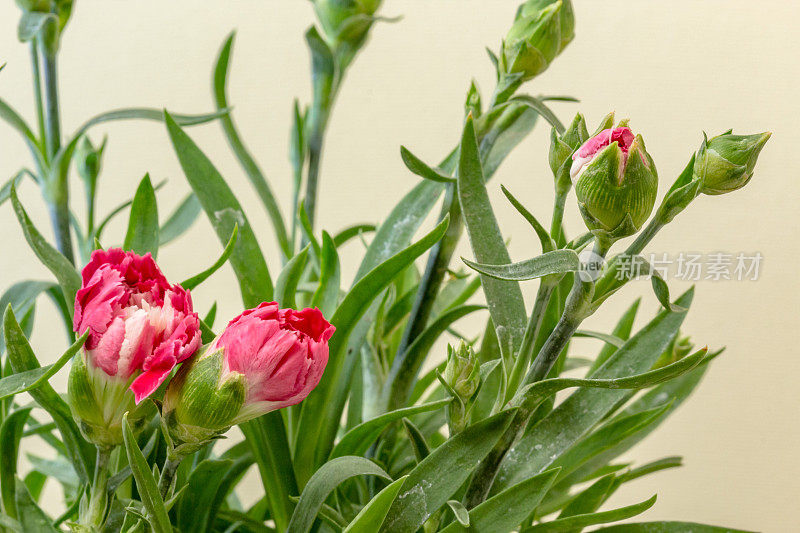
624 138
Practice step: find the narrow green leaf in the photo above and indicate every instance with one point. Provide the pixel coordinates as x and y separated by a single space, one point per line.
321 411
346 234
22 296
327 294
546 241
224 212
433 481
180 220
503 298
10 436
460 512
145 482
197 279
13 119
579 413
286 284
613 340
142 235
5 190
323 482
668 527
371 516
360 438
196 502
31 517
22 358
30 379
622 330
578 522
254 174
417 439
591 498
545 112
267 439
555 262
421 169
59 265
504 512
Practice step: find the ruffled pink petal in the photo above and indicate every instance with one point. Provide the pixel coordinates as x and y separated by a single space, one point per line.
149 380
105 354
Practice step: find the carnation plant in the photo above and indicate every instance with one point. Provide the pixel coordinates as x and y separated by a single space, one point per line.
354 416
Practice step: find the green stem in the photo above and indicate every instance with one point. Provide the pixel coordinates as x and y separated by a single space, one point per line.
645 236
168 474
558 217
58 196
98 494
576 310
543 296
37 87
319 113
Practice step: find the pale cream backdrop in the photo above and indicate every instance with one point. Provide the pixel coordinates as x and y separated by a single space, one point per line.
675 68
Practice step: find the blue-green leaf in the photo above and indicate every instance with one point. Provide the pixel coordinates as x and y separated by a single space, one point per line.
224 212
142 235
59 265
197 279
360 438
371 516
434 480
579 413
323 482
505 511
145 482
503 298
554 262
180 220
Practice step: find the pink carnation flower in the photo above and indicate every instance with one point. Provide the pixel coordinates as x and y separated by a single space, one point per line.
140 325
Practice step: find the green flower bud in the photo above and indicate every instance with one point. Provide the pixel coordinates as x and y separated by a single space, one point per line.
726 162
202 402
98 401
541 31
462 371
615 181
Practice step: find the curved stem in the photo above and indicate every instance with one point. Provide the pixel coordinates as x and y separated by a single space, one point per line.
98 493
168 474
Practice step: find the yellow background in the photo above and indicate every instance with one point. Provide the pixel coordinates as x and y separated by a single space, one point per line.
675 68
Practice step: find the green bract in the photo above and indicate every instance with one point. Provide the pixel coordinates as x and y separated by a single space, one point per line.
98 401
202 403
541 31
726 162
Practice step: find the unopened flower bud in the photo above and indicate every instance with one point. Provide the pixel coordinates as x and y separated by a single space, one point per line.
267 358
541 31
462 377
615 181
462 371
88 159
726 162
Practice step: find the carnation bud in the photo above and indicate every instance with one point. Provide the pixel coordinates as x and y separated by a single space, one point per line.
615 182
267 358
462 376
541 31
726 162
87 160
139 326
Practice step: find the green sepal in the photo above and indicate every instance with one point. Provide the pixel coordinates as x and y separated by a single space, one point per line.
98 401
201 402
